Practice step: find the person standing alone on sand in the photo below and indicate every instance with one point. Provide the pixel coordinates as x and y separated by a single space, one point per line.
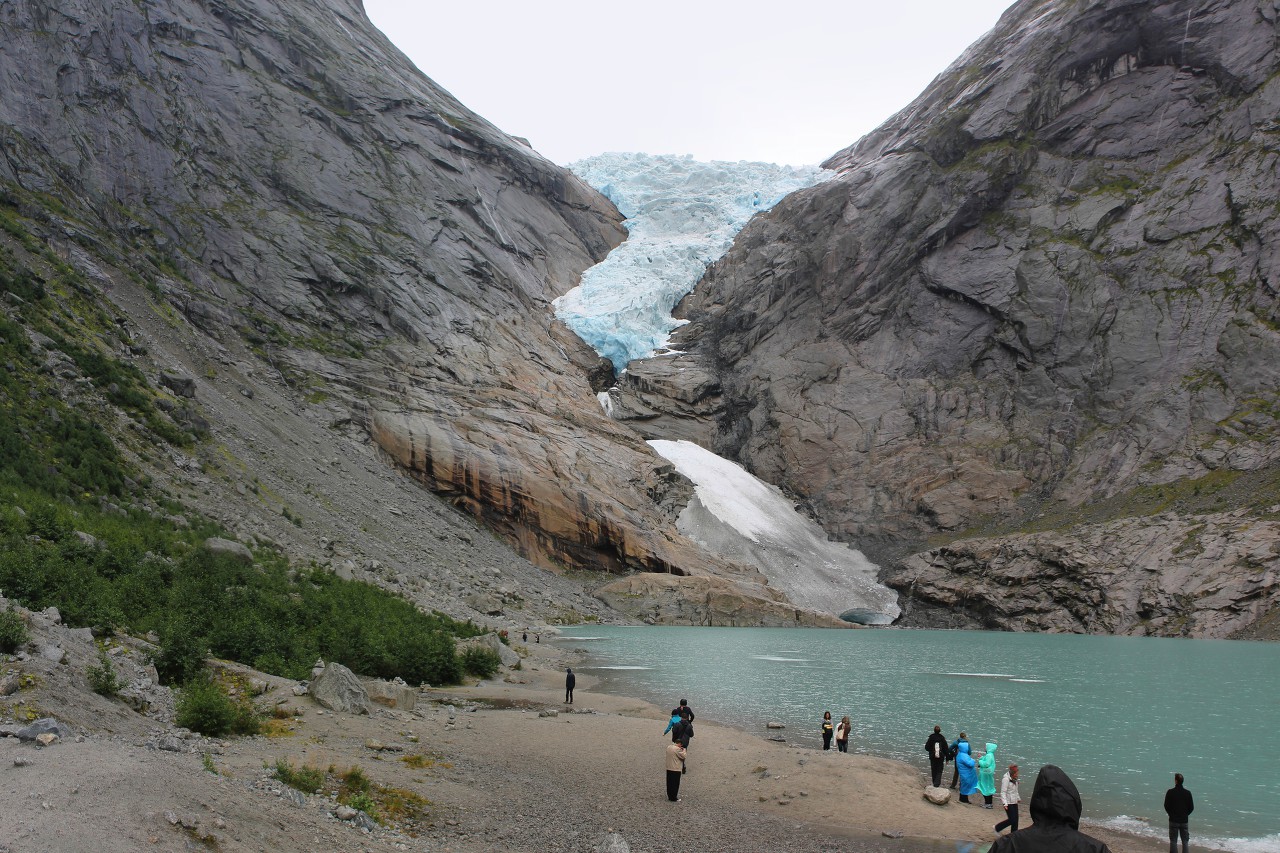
842 734
936 748
827 730
1009 798
1178 805
569 680
675 766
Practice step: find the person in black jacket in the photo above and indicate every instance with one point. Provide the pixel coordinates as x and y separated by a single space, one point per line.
1179 806
569 680
936 748
1055 813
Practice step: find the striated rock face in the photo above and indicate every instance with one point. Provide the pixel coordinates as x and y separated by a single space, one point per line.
380 247
1160 576
1051 279
709 600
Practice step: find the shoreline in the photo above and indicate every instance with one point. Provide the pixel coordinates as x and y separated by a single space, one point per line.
824 797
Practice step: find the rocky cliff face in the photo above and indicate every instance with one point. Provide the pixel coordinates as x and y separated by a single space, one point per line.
275 200
1050 280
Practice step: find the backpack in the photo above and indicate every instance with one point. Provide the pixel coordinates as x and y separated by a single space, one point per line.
953 751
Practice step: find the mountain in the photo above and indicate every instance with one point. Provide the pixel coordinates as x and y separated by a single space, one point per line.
1025 346
320 273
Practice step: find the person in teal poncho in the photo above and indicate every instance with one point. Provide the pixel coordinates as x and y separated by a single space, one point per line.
987 775
968 772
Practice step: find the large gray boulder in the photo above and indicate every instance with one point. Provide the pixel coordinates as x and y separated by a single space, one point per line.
393 694
338 689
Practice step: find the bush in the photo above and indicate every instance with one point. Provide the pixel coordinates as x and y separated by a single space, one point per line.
480 661
102 678
308 780
182 654
205 706
13 632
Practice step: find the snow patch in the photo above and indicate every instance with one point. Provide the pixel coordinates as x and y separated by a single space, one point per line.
744 518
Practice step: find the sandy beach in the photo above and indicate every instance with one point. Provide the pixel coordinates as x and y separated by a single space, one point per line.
503 765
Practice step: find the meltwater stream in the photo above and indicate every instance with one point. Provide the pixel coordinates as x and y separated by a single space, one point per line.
1120 714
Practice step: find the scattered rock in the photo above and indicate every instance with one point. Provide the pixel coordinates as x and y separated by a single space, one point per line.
338 689
938 796
774 726
391 694
46 739
44 725
345 813
226 547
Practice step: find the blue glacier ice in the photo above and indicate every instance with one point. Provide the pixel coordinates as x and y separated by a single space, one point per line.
682 215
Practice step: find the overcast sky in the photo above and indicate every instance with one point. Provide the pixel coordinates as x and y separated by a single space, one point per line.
718 80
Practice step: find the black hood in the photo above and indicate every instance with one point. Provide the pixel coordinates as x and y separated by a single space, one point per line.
1055 799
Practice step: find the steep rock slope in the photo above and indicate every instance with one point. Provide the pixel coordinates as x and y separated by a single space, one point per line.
305 210
1052 279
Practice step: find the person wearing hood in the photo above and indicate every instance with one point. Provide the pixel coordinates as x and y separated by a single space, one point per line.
1055 816
987 775
968 772
569 681
952 751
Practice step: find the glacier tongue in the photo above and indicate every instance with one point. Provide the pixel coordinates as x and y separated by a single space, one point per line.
744 518
682 215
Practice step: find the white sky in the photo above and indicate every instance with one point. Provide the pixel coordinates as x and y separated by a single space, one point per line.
787 82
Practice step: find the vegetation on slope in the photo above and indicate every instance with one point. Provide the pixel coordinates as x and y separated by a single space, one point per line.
80 528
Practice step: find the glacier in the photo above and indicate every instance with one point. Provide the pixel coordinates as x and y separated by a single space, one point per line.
681 216
741 517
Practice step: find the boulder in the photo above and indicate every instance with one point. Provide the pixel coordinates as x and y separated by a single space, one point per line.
180 384
937 796
491 641
226 547
391 693
338 689
43 726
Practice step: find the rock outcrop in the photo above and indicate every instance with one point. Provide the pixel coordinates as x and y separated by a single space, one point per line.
1051 279
278 177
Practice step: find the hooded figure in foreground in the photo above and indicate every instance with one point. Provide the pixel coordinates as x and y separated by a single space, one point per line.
1055 811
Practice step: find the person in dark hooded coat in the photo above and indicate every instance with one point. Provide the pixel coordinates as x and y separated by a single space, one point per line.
1055 812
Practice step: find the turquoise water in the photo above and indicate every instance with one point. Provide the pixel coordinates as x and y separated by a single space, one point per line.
1119 714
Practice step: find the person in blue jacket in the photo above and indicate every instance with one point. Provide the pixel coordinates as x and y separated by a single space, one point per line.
968 771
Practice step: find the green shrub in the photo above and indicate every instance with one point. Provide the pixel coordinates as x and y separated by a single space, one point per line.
205 707
308 780
480 661
103 678
182 653
365 803
13 631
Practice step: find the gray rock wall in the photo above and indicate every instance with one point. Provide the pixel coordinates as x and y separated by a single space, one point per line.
1050 279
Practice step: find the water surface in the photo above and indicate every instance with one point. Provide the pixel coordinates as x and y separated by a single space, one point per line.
1119 714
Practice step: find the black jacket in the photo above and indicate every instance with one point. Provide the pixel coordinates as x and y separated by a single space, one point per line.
1055 811
938 741
1178 804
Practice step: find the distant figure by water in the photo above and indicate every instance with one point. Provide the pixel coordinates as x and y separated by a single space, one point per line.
987 775
968 769
1055 819
569 680
1178 805
936 748
842 734
952 752
827 730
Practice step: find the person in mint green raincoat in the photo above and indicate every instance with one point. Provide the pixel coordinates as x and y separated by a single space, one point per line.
987 775
968 772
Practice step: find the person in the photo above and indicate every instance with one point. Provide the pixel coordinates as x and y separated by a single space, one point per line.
569 680
987 775
952 752
524 636
675 721
1055 818
936 748
827 730
968 772
682 707
1009 798
842 734
1178 805
686 726
675 766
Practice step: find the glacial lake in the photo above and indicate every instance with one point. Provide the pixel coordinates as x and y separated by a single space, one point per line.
1120 714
